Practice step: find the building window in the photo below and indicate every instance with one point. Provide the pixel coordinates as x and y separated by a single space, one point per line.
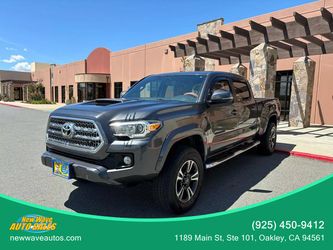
71 89
52 94
43 92
63 94
133 82
118 88
90 91
282 91
81 92
100 90
56 94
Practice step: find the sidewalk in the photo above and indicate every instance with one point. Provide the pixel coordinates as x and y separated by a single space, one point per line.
315 140
42 107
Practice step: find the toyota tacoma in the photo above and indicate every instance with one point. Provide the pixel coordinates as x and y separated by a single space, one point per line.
167 128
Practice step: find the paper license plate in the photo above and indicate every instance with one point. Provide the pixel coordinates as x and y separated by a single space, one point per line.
61 168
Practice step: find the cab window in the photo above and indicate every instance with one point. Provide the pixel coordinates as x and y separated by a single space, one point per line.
242 92
222 85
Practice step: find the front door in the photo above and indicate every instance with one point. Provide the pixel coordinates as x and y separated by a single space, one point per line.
91 91
282 91
223 120
18 93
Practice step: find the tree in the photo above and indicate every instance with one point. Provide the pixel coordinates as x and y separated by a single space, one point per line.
36 91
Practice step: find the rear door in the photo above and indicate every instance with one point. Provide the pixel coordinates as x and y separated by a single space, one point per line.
246 108
222 118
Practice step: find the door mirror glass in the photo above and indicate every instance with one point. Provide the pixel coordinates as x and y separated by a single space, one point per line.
221 96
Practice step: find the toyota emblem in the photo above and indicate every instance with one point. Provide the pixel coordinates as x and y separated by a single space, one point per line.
67 130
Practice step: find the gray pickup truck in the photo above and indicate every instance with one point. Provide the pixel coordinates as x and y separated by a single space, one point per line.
167 128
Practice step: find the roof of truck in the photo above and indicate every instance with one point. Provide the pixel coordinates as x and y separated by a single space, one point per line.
210 73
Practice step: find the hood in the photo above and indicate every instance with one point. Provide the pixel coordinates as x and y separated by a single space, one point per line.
117 109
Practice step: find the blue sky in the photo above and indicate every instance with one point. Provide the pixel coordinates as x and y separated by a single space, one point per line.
60 31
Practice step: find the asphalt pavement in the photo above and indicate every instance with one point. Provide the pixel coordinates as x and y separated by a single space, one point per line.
245 180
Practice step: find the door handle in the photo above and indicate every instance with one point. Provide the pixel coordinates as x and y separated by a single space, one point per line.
234 112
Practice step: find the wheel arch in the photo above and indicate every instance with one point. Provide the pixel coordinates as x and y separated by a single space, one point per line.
272 118
192 138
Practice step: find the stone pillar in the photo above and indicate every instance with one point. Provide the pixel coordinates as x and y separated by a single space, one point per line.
11 91
301 92
29 92
23 93
239 69
188 63
5 92
195 63
212 27
263 70
25 90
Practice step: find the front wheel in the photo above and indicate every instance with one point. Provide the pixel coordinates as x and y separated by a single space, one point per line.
178 185
268 140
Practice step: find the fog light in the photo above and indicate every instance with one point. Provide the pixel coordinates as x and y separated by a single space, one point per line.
127 160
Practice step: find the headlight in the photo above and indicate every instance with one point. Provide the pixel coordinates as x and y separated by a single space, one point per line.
135 129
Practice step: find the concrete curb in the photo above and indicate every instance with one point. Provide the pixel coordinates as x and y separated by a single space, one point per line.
37 107
307 155
11 105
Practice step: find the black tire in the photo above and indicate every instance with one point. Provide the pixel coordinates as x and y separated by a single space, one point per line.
82 181
168 183
268 140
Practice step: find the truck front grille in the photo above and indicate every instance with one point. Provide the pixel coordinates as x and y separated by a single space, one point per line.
74 133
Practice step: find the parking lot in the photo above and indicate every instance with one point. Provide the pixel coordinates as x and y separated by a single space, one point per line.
247 179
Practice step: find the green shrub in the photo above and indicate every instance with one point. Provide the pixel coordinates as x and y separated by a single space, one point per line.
43 101
7 99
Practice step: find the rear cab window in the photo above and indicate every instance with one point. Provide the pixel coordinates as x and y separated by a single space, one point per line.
241 91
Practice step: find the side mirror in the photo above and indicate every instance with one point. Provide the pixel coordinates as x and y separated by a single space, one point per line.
122 93
221 96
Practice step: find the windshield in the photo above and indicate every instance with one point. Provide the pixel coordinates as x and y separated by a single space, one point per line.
186 88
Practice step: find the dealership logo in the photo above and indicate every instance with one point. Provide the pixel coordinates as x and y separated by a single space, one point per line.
34 223
67 130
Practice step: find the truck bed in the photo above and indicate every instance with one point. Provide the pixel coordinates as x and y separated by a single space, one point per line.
264 106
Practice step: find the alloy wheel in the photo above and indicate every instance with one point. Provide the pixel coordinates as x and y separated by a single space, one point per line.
272 137
187 181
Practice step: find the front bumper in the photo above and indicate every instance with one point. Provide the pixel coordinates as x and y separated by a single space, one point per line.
96 173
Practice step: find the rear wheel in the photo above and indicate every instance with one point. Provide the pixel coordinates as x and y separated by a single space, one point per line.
178 185
268 140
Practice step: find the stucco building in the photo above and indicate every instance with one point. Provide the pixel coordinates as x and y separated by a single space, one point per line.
281 64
